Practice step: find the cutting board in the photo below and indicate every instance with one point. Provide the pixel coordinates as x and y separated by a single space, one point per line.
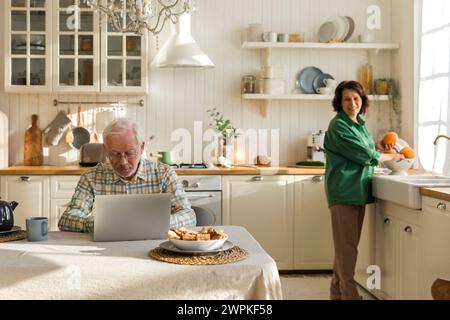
3 140
33 151
306 167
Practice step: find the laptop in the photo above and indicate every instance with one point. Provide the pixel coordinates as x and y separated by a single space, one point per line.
131 217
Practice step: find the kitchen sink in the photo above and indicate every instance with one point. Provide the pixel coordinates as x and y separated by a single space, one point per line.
405 190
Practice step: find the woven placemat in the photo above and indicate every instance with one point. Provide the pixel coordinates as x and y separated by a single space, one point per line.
229 256
13 236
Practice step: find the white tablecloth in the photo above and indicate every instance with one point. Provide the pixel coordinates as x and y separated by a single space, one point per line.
71 266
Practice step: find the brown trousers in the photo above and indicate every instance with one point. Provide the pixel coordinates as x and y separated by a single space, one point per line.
347 222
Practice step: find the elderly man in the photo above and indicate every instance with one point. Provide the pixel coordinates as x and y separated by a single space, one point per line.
125 173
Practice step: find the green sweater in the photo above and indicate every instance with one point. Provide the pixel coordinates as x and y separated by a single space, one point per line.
351 158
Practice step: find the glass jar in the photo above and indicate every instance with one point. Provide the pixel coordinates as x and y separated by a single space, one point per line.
366 78
248 84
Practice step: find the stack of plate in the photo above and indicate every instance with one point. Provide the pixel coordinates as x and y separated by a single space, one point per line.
310 79
338 30
271 81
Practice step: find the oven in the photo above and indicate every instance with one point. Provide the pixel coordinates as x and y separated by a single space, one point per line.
205 195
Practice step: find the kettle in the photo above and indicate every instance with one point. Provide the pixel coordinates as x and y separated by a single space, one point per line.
6 215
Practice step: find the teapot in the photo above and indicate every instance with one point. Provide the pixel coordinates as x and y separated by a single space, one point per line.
6 215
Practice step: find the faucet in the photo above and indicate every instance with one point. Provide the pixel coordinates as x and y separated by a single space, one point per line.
441 136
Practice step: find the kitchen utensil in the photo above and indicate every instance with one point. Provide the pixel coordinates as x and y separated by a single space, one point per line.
55 130
198 245
6 215
319 81
167 245
324 90
327 31
94 134
69 135
80 134
33 150
166 157
306 78
351 28
4 137
342 28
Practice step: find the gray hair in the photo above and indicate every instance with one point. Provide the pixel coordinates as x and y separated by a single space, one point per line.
119 126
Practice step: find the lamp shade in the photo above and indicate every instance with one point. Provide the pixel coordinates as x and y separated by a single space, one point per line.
181 50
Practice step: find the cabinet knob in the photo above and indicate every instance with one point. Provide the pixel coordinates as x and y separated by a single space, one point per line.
196 185
25 179
387 221
317 179
185 183
258 178
408 229
441 206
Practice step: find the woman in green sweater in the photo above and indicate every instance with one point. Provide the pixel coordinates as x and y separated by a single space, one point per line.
351 158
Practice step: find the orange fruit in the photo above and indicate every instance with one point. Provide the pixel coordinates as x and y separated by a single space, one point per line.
390 138
408 152
389 151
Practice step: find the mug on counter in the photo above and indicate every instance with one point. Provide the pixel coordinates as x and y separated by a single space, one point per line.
37 228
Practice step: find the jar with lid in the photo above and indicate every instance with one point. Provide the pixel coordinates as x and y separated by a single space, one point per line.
249 84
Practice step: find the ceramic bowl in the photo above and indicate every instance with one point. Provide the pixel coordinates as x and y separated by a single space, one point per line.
399 167
198 245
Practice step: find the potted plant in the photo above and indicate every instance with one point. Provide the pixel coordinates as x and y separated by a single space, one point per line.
389 87
227 132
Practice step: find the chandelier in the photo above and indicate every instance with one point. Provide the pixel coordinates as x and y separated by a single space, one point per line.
136 16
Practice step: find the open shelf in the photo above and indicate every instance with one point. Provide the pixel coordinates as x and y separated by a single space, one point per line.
318 45
311 97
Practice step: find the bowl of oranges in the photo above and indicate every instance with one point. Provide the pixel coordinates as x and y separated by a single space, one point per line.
398 167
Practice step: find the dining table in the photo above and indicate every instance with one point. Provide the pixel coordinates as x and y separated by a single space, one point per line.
70 265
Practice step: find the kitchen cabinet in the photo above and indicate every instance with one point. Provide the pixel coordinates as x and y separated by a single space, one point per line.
28 38
64 46
288 215
32 194
264 205
436 237
399 251
124 60
76 53
38 196
313 238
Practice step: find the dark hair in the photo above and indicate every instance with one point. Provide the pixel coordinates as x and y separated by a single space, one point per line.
350 85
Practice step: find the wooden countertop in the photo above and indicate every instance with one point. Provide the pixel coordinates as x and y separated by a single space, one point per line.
237 170
437 193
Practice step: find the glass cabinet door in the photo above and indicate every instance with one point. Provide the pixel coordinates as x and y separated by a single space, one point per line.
77 50
28 67
124 62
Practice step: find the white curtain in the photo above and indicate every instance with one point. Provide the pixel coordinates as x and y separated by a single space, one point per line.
434 85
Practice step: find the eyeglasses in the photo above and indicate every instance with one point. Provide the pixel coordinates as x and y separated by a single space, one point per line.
129 155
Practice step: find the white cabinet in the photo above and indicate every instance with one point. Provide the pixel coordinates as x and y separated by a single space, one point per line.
436 237
399 251
38 196
264 205
32 194
313 238
28 38
76 50
64 46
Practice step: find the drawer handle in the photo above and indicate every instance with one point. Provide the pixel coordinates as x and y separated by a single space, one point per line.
317 178
441 206
259 178
387 221
408 229
25 179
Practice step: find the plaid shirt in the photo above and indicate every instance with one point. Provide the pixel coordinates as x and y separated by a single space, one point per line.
151 177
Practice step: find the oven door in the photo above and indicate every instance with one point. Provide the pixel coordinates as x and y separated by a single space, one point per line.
207 206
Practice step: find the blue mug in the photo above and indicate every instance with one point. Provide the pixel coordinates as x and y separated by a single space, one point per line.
37 228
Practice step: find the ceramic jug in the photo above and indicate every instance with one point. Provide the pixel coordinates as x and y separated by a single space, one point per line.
6 215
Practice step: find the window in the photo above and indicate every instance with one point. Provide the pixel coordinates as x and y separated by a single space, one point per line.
434 85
